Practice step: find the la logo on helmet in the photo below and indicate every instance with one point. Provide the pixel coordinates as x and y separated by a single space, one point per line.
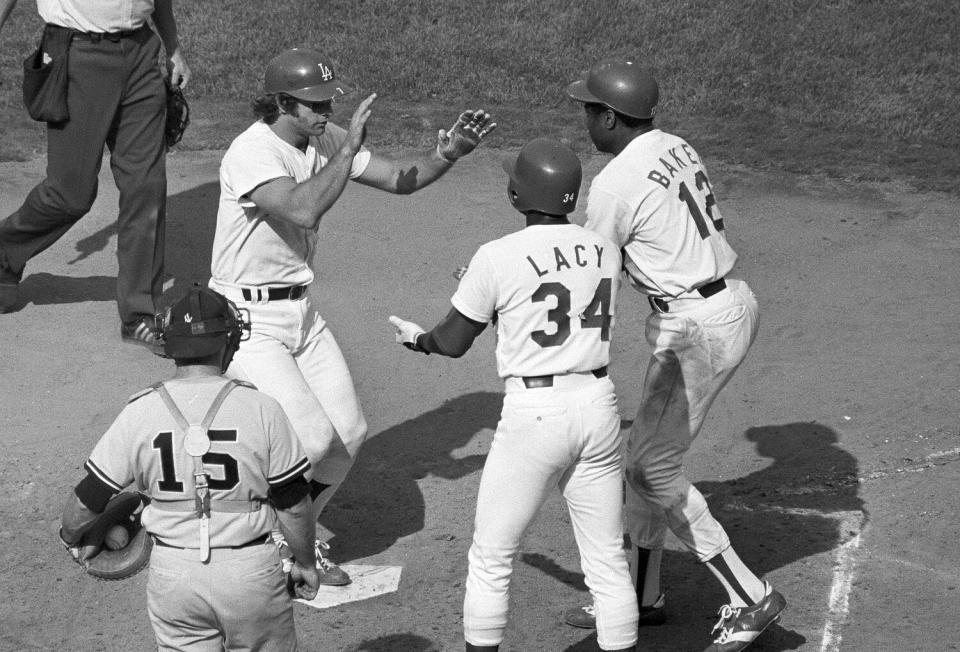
325 73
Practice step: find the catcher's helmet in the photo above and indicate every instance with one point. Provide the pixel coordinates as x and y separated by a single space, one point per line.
544 177
621 85
303 74
201 324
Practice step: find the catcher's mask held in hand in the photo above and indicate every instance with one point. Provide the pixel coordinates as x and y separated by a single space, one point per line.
123 509
178 114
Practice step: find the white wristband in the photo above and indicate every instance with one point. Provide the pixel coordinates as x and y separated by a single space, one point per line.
451 161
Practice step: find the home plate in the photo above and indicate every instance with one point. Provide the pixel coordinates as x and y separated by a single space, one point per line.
368 582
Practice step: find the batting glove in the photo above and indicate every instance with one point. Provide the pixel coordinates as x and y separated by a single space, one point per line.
466 133
407 333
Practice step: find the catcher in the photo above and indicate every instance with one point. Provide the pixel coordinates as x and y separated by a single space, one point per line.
222 467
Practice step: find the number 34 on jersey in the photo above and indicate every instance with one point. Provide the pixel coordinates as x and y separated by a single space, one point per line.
596 314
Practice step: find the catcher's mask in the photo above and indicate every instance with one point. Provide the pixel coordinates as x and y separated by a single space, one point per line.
544 177
201 324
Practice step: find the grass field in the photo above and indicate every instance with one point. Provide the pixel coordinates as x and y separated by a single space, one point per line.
857 89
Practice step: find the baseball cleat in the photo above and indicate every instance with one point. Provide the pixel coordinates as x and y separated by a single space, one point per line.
585 617
141 331
330 573
738 627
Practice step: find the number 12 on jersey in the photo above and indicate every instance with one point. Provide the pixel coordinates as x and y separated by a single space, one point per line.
595 315
687 197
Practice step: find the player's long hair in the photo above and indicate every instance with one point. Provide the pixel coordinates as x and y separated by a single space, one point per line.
267 106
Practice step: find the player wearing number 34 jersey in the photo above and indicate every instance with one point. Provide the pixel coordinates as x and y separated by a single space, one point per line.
551 289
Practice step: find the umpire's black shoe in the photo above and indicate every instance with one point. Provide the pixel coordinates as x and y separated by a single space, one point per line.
141 331
9 296
738 627
585 617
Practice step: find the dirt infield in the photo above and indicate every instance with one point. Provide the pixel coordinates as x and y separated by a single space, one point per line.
831 457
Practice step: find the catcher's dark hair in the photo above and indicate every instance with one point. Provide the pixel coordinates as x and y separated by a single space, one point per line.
628 121
267 106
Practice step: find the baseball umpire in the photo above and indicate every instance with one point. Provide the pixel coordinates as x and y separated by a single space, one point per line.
277 180
222 468
654 200
551 288
116 98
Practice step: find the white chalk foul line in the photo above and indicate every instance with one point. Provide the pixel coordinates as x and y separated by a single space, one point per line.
839 604
843 566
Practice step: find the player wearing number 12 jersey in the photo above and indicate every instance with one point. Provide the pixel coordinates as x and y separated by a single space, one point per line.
654 200
551 289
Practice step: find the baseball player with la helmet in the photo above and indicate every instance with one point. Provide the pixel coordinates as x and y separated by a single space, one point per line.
277 180
222 468
655 202
551 289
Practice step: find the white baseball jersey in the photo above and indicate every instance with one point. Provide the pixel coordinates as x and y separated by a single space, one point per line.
654 201
85 16
554 288
253 447
251 248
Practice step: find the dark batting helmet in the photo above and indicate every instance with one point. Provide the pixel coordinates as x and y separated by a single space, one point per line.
544 177
303 74
619 84
201 324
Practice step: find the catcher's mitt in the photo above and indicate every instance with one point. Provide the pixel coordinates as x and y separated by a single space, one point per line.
178 114
123 509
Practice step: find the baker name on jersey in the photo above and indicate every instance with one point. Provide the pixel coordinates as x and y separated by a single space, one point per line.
579 254
671 163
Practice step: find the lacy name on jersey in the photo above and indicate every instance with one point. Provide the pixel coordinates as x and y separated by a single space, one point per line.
579 254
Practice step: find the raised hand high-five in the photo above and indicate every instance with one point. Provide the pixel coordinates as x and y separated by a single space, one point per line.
466 133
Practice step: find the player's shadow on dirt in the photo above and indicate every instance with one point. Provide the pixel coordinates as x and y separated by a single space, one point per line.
45 289
804 503
395 643
381 502
191 221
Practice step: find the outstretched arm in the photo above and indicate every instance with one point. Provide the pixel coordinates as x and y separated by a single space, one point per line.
407 175
452 337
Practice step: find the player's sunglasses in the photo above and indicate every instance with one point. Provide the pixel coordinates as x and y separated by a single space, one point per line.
325 106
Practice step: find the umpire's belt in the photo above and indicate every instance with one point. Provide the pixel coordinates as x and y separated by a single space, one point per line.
533 382
96 37
260 295
259 541
706 291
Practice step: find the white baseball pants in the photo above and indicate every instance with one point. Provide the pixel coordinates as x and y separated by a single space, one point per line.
697 346
292 356
566 436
